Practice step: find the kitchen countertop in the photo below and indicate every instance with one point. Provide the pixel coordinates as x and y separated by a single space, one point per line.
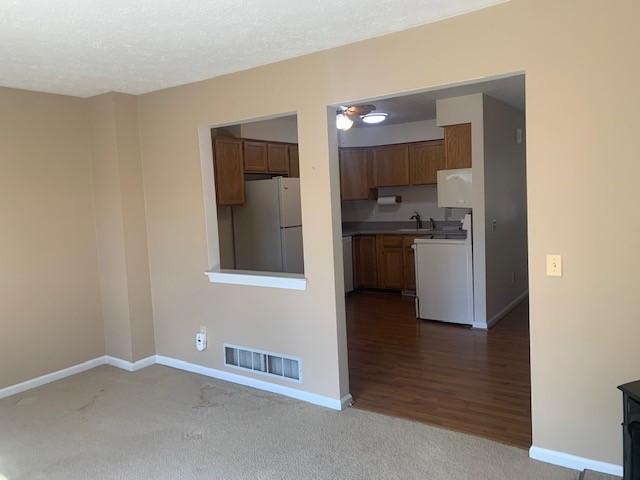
399 228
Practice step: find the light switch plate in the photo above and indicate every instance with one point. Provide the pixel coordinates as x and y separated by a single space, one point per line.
554 265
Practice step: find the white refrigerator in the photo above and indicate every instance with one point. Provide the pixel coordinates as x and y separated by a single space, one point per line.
267 229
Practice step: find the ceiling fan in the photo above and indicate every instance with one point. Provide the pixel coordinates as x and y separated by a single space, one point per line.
347 114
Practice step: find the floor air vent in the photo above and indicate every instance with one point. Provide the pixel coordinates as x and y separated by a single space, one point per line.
272 364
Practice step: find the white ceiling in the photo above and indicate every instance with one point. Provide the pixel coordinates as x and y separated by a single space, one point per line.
87 47
422 106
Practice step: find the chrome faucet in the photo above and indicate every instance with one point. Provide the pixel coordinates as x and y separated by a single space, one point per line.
416 217
432 222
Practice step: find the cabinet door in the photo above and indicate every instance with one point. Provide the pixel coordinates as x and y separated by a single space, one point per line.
365 261
277 158
228 171
391 164
390 262
425 159
457 146
255 157
294 161
408 261
354 174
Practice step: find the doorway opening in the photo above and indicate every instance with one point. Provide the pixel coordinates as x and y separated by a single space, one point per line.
434 224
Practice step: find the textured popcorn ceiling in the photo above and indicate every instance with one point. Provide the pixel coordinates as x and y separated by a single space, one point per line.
87 47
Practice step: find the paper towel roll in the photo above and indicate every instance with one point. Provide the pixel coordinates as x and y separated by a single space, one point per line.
388 200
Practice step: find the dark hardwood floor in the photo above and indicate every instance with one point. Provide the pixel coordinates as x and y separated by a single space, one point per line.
464 379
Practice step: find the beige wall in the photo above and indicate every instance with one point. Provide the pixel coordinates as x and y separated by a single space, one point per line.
49 298
582 104
121 228
505 202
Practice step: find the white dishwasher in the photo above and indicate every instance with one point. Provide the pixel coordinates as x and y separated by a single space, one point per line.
347 258
444 278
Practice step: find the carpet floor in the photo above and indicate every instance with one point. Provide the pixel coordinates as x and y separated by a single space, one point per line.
161 423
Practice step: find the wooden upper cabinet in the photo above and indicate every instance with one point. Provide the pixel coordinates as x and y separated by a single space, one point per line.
390 261
228 171
457 146
355 173
277 158
425 159
391 165
255 156
365 269
294 161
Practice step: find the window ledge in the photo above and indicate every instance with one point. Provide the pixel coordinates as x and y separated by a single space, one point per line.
289 281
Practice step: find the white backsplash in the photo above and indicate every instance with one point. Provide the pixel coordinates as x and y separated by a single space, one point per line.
422 199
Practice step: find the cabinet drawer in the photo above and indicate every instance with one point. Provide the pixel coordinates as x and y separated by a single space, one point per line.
392 240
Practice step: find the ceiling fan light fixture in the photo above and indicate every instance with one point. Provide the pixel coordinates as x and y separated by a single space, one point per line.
343 122
375 117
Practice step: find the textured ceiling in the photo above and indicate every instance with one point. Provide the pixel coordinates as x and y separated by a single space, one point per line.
87 47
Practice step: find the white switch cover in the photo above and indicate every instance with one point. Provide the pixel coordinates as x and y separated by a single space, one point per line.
554 265
201 340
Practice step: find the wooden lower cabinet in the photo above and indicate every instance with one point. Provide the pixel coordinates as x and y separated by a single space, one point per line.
390 262
409 264
365 269
384 261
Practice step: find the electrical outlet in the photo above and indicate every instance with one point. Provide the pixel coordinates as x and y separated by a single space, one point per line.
201 340
554 265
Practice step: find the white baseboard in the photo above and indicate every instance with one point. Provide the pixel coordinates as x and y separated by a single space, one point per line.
51 377
503 313
573 461
328 402
130 366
